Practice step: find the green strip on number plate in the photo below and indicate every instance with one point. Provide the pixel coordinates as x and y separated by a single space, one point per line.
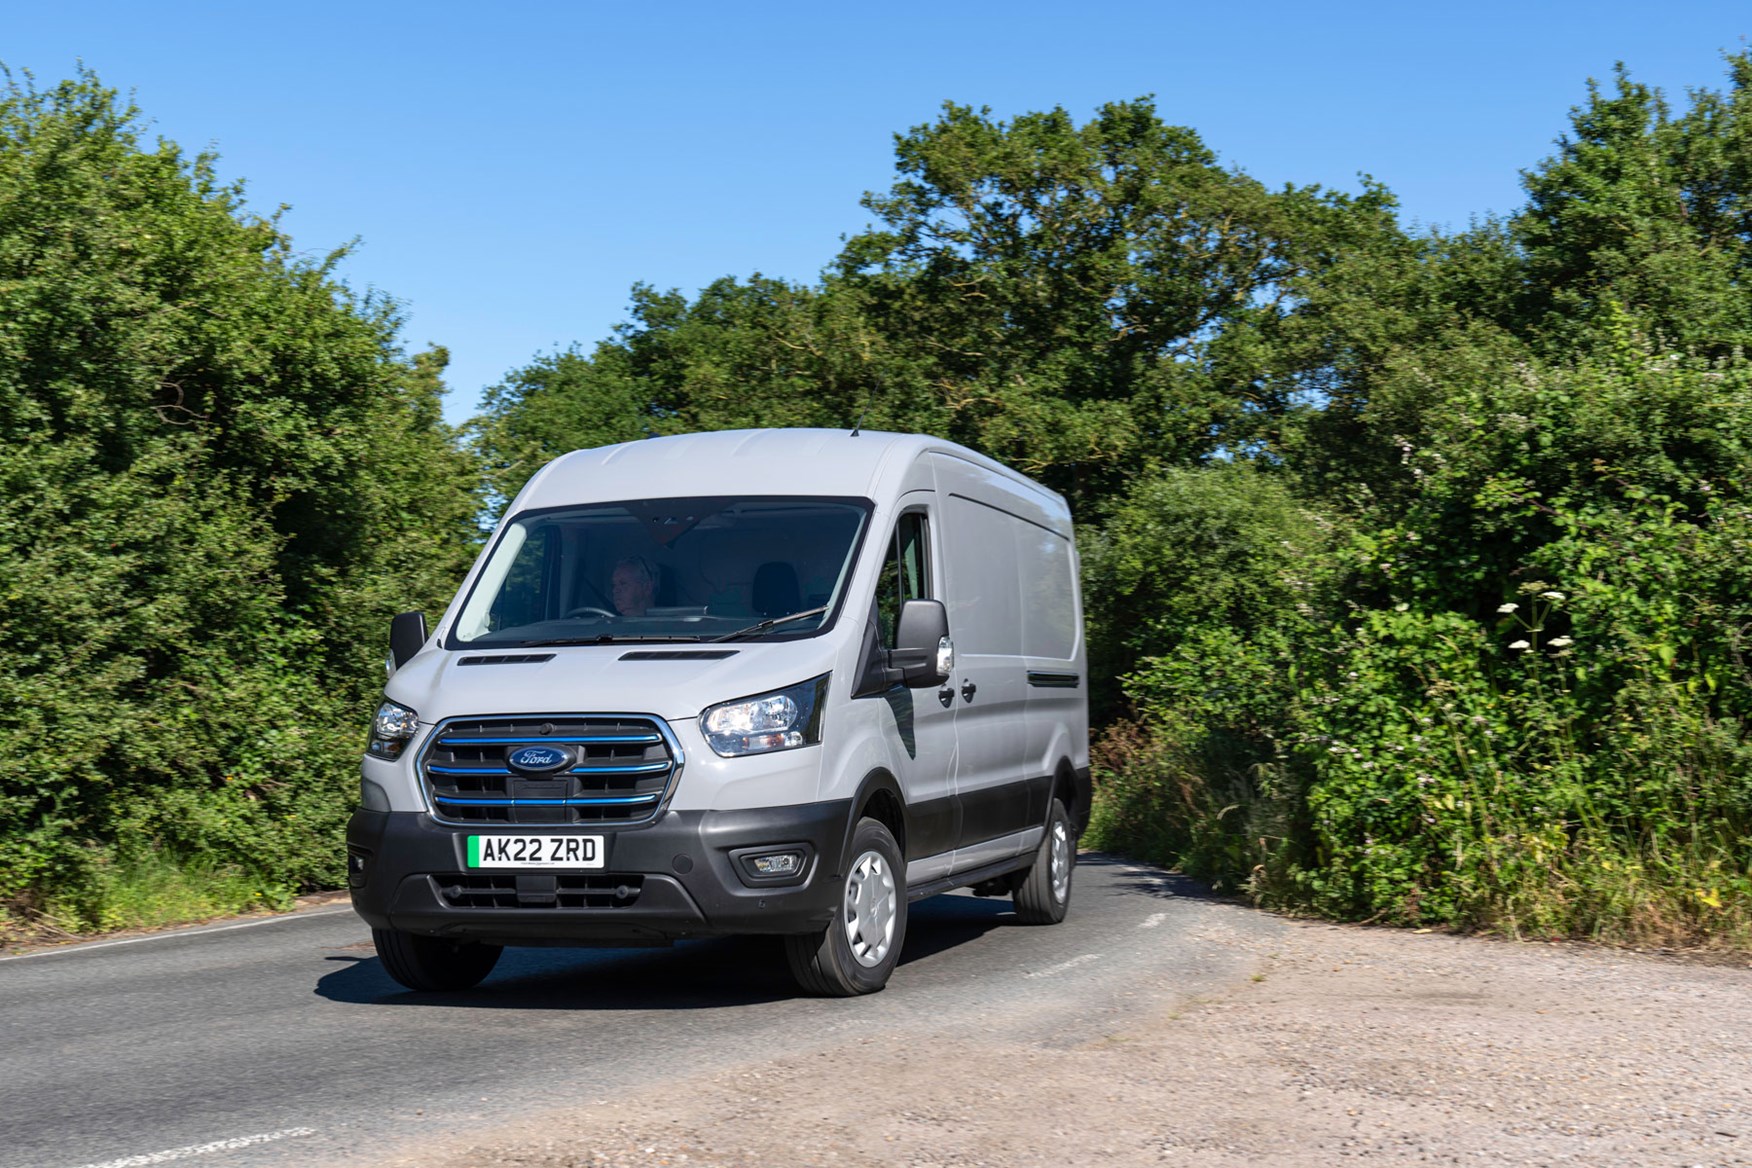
474 851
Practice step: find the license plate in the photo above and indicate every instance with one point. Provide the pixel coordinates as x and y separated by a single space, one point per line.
535 851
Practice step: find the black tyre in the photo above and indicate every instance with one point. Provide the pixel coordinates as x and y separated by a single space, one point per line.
1043 893
433 963
858 950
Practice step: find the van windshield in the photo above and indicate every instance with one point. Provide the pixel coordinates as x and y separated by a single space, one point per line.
666 570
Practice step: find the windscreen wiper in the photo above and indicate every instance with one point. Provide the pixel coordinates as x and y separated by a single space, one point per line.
771 622
598 639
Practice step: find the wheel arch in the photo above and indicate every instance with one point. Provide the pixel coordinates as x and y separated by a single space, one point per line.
1071 786
879 798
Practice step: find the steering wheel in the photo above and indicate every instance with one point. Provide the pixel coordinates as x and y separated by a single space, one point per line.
592 610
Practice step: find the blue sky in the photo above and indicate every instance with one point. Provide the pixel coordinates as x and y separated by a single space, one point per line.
513 169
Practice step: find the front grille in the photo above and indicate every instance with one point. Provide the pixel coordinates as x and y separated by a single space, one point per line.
539 890
623 770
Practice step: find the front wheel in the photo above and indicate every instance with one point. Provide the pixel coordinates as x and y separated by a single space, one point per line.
1043 894
860 947
433 963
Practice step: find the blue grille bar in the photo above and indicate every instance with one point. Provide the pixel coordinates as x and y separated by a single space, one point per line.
644 768
617 800
541 741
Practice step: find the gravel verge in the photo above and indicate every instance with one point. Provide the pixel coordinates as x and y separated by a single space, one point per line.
1345 1045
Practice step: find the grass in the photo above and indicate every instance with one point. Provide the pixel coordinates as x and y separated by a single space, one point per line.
1153 804
148 890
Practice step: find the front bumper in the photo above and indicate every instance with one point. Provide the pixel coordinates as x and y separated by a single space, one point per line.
681 869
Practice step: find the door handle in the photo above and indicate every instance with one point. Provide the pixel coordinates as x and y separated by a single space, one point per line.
968 689
946 696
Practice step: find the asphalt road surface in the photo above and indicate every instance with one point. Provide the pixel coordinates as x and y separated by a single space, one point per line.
282 1041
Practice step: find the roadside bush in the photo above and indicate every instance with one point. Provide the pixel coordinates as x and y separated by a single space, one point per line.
1195 586
220 477
1541 725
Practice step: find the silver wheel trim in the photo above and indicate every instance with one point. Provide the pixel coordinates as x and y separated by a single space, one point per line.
870 909
1059 861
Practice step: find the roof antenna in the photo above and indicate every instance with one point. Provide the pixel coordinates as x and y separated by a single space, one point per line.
859 424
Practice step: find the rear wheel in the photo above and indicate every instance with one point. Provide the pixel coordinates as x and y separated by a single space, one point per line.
1043 893
434 963
860 947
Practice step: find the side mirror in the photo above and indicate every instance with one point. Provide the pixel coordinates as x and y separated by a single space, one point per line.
923 655
407 632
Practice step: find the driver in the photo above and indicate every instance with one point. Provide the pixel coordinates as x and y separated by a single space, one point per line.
634 585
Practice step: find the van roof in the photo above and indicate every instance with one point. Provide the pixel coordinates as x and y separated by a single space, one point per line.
744 462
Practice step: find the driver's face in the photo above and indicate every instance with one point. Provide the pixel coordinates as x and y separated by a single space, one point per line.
632 592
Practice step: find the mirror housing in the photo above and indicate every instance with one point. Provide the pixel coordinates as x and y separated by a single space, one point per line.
407 632
923 655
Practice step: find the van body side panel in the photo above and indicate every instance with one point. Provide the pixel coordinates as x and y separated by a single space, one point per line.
999 848
878 734
987 516
1053 654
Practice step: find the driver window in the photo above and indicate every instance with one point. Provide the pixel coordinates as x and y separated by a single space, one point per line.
906 573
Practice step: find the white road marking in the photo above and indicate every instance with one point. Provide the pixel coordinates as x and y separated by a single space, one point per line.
89 946
230 1145
1064 965
1155 919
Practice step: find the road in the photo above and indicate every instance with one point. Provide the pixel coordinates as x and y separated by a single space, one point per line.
284 1042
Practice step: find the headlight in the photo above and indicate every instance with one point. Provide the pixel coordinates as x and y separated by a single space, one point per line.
781 720
390 730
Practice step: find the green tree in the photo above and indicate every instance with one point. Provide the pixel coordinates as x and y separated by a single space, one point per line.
1646 213
220 475
1094 298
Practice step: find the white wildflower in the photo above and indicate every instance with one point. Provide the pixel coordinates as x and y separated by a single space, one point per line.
1561 642
1519 645
1554 595
1511 606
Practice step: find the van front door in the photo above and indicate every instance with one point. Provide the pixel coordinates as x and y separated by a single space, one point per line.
923 723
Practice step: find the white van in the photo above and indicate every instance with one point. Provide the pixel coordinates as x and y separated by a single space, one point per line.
757 681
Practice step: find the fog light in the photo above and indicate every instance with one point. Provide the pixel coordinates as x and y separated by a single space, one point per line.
356 868
777 863
767 865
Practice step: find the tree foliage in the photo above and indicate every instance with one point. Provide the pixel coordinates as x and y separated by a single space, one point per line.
1513 689
220 475
1646 214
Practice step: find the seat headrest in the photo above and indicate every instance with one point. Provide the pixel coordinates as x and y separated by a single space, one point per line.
775 591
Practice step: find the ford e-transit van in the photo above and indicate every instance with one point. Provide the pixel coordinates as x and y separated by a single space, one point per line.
761 681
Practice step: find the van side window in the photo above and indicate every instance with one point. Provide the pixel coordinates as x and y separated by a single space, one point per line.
906 574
